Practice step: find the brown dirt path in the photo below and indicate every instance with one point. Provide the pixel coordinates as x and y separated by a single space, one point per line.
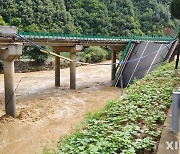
45 112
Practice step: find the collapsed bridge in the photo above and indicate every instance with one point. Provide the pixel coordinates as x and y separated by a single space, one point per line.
140 55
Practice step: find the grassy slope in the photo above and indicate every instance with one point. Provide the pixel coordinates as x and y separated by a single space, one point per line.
133 125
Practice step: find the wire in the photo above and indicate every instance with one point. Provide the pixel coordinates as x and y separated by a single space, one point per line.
32 43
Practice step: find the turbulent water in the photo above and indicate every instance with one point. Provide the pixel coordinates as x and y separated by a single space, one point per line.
45 112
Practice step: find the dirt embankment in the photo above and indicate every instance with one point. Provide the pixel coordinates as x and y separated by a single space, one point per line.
45 112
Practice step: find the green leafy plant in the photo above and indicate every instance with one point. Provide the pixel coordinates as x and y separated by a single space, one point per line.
93 55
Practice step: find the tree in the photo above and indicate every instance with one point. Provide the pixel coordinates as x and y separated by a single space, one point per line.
35 54
94 17
175 8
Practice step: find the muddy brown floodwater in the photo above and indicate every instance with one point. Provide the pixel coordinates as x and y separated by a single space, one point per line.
45 112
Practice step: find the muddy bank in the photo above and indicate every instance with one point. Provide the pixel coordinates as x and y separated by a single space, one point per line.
45 112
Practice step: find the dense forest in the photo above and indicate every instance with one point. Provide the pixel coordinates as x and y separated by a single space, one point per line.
107 17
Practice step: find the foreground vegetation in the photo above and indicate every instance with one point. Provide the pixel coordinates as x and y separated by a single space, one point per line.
133 125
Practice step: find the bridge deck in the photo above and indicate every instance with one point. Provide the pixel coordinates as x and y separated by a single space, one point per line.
86 40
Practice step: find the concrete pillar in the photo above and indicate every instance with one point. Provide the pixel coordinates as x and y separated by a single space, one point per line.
73 71
114 65
72 50
8 52
10 102
57 71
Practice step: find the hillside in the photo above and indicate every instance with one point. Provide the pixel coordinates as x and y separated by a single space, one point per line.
107 17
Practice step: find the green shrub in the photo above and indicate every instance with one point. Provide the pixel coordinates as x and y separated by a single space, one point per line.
109 55
92 55
80 57
87 58
2 22
96 54
35 54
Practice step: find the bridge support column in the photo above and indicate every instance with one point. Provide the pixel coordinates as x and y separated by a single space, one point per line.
10 101
57 71
73 70
8 54
114 50
113 65
72 50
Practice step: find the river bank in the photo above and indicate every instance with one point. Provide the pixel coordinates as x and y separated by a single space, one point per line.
45 112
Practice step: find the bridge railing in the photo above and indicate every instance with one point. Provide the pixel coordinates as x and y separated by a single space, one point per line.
56 36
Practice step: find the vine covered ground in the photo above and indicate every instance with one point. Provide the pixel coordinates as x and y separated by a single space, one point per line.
128 126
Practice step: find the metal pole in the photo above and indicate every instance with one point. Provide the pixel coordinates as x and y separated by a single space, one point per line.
114 65
177 62
176 112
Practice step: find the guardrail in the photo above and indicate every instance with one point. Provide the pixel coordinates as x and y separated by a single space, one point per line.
40 35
